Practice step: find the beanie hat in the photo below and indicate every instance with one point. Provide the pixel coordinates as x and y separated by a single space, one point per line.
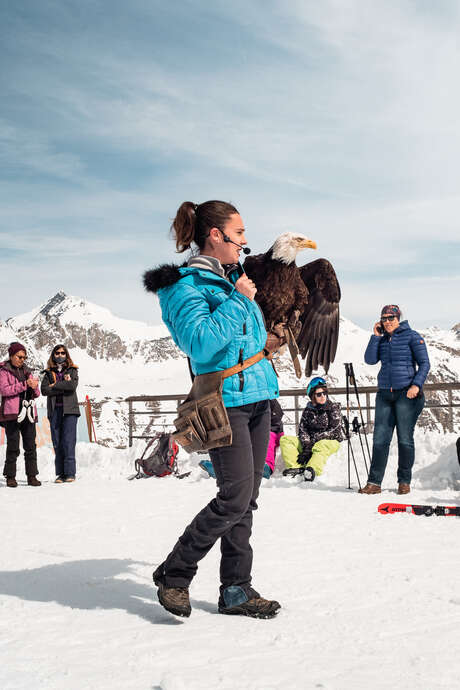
316 382
16 347
391 309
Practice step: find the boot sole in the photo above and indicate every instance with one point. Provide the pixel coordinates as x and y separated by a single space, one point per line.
239 611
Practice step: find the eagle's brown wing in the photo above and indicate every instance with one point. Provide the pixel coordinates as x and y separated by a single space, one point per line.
319 334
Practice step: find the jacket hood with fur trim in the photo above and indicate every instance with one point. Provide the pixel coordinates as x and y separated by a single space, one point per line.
163 276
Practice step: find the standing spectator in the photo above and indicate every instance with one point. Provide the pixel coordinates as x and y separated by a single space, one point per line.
320 433
18 388
59 384
399 400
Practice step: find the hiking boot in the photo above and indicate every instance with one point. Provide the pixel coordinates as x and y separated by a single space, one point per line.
69 479
309 474
11 481
174 599
33 481
403 489
59 480
370 489
254 608
234 601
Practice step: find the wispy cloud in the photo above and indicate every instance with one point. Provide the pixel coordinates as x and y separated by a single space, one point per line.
334 118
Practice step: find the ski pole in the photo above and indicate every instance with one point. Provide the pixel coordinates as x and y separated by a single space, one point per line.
356 426
346 427
353 381
347 422
350 446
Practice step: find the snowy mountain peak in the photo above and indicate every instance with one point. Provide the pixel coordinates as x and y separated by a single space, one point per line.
58 298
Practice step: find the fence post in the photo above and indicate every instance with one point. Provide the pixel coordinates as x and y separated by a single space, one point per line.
451 410
130 423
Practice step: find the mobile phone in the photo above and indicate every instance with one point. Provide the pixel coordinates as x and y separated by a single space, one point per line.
380 329
235 272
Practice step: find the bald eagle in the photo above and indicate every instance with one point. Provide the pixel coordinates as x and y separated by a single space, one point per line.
304 298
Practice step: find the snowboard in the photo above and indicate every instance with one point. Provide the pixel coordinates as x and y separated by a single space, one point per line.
390 508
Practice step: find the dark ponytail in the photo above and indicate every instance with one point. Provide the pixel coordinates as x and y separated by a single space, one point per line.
194 221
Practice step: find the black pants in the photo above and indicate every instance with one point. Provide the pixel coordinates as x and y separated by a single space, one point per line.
228 516
13 430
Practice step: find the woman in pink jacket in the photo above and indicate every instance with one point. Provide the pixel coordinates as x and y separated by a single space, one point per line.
18 388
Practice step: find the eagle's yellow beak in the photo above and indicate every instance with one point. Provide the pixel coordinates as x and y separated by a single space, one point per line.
308 244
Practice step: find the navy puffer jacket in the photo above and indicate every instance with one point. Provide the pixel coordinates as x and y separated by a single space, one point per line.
403 355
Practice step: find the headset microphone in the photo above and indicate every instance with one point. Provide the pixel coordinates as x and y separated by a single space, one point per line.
246 250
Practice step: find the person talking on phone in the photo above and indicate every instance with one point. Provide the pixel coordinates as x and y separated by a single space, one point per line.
400 400
212 317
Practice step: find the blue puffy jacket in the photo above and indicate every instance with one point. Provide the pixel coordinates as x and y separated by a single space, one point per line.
216 327
403 355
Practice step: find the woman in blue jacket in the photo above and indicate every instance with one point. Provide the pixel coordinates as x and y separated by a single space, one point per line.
217 324
400 400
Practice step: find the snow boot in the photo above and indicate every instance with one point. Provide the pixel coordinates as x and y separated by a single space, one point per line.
33 481
235 602
309 474
267 473
293 471
59 480
403 489
69 479
11 481
174 599
371 489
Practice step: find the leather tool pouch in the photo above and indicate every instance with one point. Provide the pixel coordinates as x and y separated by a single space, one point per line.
203 421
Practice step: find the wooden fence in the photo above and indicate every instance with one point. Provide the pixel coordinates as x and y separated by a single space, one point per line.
297 394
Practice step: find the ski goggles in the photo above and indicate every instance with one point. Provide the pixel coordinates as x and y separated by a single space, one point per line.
314 383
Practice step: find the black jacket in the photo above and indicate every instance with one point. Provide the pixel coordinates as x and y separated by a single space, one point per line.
276 422
320 422
65 388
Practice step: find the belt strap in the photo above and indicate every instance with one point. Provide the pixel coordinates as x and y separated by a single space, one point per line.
244 364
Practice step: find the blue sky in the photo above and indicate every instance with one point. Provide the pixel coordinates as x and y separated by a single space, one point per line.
339 119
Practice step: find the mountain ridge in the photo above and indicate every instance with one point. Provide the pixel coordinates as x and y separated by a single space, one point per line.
118 357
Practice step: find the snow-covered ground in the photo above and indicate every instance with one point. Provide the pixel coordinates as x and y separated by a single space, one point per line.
369 601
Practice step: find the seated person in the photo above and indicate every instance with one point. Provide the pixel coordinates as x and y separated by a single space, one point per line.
276 431
320 433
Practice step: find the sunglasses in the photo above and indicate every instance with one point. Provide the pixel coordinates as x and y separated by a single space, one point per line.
22 357
387 318
61 353
321 394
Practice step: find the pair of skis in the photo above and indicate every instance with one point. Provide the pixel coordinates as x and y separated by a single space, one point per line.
391 508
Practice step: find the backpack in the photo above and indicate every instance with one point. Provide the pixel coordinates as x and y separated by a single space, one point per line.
161 460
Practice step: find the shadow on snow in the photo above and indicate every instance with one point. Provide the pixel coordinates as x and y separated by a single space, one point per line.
89 584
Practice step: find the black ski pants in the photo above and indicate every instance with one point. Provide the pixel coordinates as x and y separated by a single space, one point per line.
13 431
228 516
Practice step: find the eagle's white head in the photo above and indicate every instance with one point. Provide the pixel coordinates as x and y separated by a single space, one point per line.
287 245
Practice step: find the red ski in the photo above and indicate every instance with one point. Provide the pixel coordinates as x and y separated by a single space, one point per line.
389 508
